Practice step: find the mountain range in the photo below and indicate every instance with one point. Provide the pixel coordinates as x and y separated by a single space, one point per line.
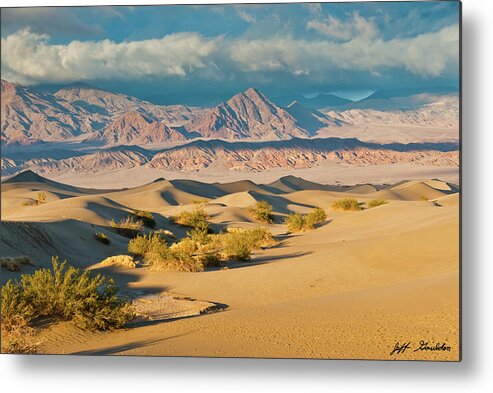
95 117
85 114
83 129
238 156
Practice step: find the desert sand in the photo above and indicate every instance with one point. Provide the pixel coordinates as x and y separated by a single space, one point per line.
351 288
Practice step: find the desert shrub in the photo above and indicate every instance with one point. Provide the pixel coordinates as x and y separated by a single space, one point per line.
262 211
256 238
128 227
197 218
146 217
64 293
346 204
376 202
14 264
208 254
120 260
236 246
146 244
199 235
423 198
41 198
165 234
295 222
179 257
19 337
102 237
238 243
314 217
186 246
238 250
29 203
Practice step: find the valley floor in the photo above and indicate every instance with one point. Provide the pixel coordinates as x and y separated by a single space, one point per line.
330 173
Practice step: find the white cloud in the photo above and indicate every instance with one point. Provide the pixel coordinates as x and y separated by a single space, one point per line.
249 18
427 55
313 8
356 27
30 58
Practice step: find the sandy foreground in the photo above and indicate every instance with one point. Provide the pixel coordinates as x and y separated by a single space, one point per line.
353 288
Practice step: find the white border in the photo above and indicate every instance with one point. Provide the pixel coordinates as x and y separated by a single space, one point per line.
474 374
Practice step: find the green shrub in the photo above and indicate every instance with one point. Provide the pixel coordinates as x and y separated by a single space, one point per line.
128 227
299 222
346 204
376 202
295 222
238 243
64 293
103 238
236 246
208 254
146 217
19 337
185 246
315 217
199 235
256 238
14 264
145 244
262 211
179 257
197 218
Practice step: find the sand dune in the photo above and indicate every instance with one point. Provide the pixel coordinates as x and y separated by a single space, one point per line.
238 199
292 183
412 191
348 289
449 200
363 189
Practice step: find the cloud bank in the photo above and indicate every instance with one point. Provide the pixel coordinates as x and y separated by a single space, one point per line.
339 46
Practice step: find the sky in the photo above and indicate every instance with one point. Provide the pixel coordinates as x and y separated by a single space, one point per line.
195 54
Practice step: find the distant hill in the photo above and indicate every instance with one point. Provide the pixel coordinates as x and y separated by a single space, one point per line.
320 101
393 93
247 115
247 156
310 119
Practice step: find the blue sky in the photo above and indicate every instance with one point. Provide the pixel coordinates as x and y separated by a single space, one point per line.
197 53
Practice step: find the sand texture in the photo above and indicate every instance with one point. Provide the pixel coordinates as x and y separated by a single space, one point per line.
351 288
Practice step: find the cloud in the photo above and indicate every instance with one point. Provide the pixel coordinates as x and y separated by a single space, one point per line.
427 55
335 28
30 58
312 8
249 18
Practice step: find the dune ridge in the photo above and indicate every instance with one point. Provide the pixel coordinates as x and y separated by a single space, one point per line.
350 288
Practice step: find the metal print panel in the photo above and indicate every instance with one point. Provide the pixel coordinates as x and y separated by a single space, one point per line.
266 181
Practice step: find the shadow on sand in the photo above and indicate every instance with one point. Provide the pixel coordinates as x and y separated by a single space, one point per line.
127 347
